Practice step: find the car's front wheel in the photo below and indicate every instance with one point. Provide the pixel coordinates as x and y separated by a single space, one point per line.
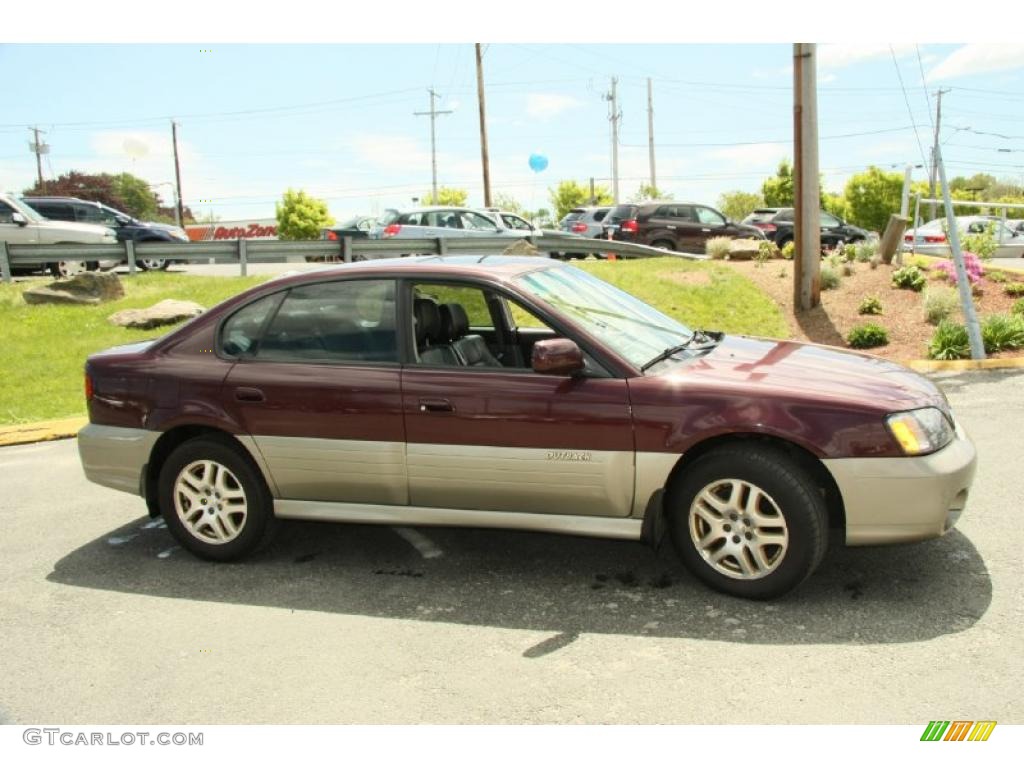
68 268
214 500
153 265
748 521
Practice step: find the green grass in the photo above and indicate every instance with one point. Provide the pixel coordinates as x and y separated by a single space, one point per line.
43 348
729 302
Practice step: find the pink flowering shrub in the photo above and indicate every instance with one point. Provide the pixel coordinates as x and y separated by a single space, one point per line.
972 265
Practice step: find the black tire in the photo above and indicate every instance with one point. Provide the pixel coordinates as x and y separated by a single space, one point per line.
254 529
667 244
782 242
791 493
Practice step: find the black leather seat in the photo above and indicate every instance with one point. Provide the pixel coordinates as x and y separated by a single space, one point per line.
471 349
432 340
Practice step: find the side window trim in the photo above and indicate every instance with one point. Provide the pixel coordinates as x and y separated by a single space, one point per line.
278 297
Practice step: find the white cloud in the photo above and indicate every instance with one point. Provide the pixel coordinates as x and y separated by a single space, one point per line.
838 55
976 58
547 105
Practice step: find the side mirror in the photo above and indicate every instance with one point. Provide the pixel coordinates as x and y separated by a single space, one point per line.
557 357
19 219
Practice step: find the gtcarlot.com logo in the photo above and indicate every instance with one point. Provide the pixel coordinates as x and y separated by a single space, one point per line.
958 730
67 738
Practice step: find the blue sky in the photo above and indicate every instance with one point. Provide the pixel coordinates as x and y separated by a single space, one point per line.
337 120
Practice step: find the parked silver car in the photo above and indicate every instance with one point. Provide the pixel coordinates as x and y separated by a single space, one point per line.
931 239
20 224
437 221
585 222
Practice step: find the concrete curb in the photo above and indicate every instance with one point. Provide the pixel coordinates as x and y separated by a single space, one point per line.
58 429
932 366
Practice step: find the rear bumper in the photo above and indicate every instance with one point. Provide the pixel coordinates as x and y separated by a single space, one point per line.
115 457
910 499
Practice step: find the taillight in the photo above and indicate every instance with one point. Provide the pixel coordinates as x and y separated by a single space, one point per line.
935 238
908 238
391 230
629 225
579 226
332 235
765 226
88 387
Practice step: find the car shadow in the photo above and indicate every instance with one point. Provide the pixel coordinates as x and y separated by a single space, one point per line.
562 584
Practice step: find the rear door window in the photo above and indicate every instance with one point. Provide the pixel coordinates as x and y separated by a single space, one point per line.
708 216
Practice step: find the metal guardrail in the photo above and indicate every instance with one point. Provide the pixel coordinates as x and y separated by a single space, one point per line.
244 252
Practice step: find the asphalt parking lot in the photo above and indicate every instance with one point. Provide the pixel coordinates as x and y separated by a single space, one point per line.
105 620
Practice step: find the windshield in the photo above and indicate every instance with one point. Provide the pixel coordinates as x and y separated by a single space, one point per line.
635 330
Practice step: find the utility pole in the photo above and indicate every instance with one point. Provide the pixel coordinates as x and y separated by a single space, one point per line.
935 149
434 112
483 126
806 194
614 116
650 133
905 197
40 149
180 209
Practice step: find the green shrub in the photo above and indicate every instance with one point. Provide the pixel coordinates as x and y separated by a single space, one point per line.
834 260
909 277
867 336
997 277
874 261
981 244
871 305
718 247
1017 310
849 252
1014 289
848 269
863 251
939 303
829 278
999 332
766 250
789 250
949 342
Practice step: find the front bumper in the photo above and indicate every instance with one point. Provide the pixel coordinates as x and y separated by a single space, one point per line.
907 499
115 457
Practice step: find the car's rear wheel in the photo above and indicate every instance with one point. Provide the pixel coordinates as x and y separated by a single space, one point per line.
214 500
666 244
153 265
748 521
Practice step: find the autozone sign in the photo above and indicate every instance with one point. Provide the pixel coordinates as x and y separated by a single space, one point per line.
261 229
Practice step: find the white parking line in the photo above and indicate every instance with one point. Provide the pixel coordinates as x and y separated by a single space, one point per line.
168 552
155 523
424 546
116 540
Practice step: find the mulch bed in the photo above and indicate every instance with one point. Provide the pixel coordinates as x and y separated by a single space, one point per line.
902 310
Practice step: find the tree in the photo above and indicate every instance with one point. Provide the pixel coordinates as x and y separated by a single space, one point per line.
141 201
301 217
446 196
122 191
872 196
571 194
738 205
647 192
777 190
835 204
505 202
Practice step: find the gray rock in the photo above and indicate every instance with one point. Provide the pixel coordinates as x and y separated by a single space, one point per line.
743 250
166 312
87 288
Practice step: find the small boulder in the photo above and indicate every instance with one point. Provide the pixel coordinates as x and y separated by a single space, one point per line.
166 312
86 288
743 250
520 248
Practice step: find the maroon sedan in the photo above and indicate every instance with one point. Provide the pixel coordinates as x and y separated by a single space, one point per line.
519 393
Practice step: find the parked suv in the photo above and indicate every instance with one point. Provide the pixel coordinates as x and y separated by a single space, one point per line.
439 222
675 226
20 224
777 225
126 227
585 222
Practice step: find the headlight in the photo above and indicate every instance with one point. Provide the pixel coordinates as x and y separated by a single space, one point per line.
925 430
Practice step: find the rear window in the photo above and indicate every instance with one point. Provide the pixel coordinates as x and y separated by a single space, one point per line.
571 216
620 213
758 217
600 214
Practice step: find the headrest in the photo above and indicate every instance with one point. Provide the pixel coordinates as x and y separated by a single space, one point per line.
460 320
428 320
444 331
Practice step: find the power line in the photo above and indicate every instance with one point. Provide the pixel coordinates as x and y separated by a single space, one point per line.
910 111
786 140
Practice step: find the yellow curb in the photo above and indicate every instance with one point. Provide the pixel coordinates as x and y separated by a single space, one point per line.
930 366
41 431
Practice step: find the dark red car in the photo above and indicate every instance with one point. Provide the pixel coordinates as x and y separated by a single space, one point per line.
519 393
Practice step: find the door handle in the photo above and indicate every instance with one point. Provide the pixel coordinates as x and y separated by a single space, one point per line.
438 405
249 395
671 226
705 229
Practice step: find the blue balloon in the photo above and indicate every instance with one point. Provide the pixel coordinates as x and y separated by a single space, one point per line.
538 163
